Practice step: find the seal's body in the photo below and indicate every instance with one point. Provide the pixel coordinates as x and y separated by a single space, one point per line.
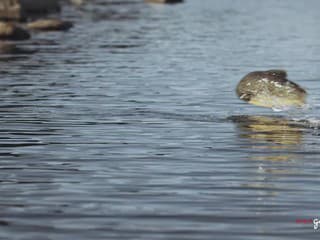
271 89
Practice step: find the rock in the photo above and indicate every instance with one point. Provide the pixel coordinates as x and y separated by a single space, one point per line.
11 10
77 2
50 25
271 89
163 1
19 10
10 31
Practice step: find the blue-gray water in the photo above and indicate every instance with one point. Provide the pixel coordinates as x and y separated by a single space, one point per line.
128 127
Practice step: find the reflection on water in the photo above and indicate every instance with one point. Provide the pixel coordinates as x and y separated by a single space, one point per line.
270 133
112 10
10 52
277 131
273 141
10 48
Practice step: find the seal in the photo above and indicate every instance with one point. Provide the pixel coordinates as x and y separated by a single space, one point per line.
271 89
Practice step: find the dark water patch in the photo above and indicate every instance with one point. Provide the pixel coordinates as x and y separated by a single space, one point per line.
4 223
112 14
121 46
11 58
21 144
16 51
118 2
177 116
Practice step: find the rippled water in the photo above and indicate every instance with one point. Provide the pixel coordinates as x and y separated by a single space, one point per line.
128 126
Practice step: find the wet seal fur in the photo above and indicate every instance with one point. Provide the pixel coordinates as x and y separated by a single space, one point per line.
271 89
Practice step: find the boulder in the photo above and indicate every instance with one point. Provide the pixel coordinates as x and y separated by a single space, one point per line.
11 10
10 31
50 25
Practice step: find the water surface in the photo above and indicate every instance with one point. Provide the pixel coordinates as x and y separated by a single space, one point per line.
128 126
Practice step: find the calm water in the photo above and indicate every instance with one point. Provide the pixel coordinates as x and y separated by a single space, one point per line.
128 126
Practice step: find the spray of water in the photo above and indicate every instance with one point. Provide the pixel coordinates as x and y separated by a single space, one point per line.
306 115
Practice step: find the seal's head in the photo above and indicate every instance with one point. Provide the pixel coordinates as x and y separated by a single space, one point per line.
271 89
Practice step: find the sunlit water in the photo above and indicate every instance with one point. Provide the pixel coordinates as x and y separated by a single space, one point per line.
128 126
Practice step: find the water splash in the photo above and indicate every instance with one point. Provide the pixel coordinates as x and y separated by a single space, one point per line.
305 116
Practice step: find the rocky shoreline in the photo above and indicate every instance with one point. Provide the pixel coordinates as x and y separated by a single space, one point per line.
20 19
22 10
